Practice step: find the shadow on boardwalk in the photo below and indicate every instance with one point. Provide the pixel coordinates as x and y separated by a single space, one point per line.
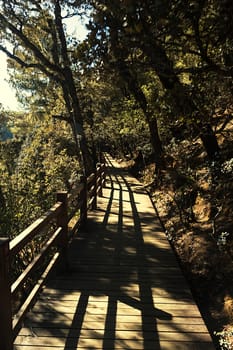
124 289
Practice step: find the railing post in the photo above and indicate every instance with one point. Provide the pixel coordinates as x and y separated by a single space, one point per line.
83 198
6 339
100 176
62 221
94 203
104 171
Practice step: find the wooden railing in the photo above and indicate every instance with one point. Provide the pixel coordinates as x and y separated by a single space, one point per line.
60 223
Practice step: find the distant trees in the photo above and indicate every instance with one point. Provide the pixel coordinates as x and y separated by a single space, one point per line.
33 166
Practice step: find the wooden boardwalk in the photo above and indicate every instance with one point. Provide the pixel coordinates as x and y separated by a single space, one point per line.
124 289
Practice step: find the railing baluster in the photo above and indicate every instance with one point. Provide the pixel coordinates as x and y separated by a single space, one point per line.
83 209
6 341
62 221
94 202
104 172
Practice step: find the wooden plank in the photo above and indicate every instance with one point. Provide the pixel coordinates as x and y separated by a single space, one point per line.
173 310
51 295
123 269
172 326
164 345
66 319
122 303
96 342
122 279
95 333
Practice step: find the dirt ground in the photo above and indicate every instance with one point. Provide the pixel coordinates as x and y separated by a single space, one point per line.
208 268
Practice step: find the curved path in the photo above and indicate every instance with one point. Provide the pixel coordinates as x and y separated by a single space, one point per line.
124 289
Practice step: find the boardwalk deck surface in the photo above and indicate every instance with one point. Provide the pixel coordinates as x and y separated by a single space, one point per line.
124 290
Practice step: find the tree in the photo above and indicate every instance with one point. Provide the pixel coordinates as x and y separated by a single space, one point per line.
38 43
162 34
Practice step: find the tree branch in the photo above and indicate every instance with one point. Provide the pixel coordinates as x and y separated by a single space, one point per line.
30 65
37 53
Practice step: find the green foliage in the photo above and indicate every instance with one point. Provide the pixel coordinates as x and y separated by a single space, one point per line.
33 172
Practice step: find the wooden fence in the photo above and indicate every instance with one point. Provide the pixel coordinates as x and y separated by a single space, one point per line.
60 224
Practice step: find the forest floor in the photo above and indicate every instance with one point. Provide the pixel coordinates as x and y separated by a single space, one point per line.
194 200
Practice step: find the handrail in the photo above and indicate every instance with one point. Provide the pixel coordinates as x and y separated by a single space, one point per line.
31 231
69 213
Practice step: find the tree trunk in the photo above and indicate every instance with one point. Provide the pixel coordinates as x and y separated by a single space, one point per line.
155 141
151 120
87 161
210 142
71 97
75 119
137 92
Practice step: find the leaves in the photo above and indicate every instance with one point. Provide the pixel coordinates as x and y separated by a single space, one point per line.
43 166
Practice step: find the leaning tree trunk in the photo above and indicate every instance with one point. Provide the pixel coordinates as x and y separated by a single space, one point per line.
151 120
70 92
138 94
76 121
155 138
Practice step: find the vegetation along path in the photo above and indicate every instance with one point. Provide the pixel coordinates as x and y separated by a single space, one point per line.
124 288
